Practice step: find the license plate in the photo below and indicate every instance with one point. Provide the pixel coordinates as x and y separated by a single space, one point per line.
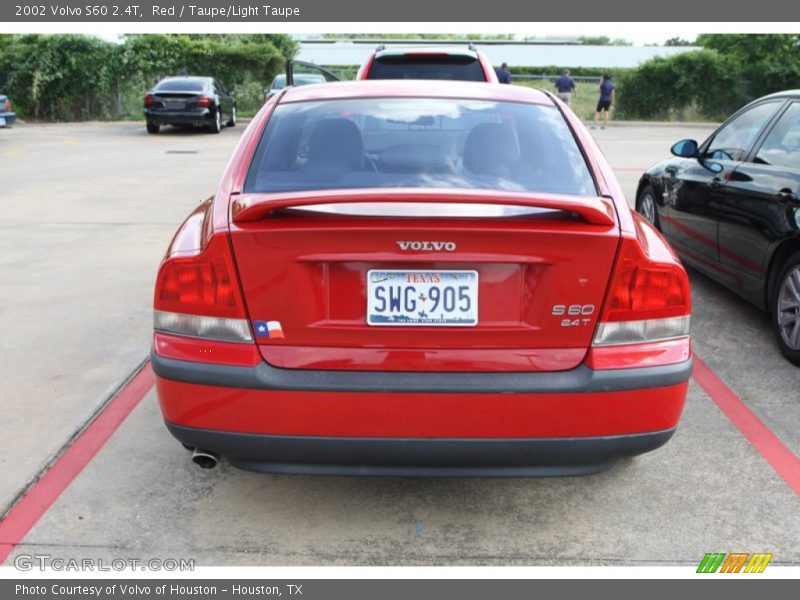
437 298
175 104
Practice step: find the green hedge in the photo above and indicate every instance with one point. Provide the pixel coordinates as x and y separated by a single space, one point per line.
60 77
766 62
703 81
77 77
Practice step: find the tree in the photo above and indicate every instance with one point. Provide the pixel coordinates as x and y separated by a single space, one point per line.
678 41
598 40
749 47
603 40
765 62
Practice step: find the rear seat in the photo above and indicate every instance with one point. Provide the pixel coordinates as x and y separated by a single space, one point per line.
416 158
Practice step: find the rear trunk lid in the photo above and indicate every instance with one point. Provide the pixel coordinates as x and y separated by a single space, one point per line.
176 100
308 267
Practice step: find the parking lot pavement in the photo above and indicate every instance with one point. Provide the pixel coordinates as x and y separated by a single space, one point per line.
706 490
709 489
88 210
735 339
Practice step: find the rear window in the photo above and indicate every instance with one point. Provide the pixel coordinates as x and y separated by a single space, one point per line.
279 82
418 142
427 66
181 85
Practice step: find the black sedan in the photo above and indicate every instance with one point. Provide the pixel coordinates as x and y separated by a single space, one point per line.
730 208
189 101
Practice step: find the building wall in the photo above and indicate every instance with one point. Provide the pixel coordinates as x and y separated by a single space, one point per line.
518 55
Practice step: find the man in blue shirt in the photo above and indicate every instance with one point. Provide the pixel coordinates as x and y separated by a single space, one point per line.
608 97
503 74
565 87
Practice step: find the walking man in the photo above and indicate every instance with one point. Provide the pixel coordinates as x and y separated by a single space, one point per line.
608 97
503 74
565 87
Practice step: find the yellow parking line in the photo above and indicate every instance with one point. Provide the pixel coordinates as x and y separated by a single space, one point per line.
8 153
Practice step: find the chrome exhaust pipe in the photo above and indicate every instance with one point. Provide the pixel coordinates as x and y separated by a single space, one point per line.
205 459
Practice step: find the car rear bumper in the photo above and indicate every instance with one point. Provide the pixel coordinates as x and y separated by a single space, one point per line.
8 118
189 117
264 376
419 457
366 422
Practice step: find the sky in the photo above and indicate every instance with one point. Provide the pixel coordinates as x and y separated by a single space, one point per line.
641 34
650 34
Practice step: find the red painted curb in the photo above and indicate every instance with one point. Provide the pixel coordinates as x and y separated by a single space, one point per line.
44 492
774 451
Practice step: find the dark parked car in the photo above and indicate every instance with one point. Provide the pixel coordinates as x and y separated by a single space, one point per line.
189 101
7 117
730 208
459 64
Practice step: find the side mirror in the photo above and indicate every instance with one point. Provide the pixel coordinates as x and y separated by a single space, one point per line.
685 149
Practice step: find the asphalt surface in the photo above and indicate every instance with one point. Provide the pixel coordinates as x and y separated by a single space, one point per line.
89 210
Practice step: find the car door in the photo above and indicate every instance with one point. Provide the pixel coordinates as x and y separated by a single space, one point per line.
761 206
694 188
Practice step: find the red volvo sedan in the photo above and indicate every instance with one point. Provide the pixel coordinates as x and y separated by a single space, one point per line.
419 278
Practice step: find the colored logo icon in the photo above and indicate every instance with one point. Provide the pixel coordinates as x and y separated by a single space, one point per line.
734 562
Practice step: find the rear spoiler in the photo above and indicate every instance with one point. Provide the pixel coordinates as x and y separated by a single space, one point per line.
596 210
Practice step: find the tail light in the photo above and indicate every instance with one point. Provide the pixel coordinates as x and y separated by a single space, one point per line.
199 295
8 105
647 301
148 100
204 101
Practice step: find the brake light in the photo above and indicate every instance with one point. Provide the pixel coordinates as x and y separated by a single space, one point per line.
149 100
8 105
647 300
199 295
204 101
